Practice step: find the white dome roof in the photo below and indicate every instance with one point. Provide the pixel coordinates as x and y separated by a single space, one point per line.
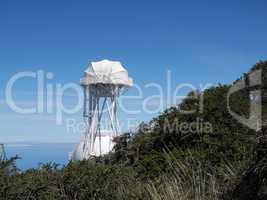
106 72
106 146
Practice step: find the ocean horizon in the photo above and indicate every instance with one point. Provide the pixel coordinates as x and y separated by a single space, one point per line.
32 155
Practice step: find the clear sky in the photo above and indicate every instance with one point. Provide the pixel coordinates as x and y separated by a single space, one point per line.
198 41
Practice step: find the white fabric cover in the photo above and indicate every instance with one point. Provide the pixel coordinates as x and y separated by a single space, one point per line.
106 72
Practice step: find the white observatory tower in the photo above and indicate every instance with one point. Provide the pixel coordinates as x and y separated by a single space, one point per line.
103 82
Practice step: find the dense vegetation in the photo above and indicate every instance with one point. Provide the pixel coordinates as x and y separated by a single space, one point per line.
221 159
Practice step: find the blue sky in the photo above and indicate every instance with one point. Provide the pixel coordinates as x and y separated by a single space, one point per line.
198 41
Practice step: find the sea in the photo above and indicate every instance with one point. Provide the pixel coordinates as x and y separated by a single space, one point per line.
33 155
